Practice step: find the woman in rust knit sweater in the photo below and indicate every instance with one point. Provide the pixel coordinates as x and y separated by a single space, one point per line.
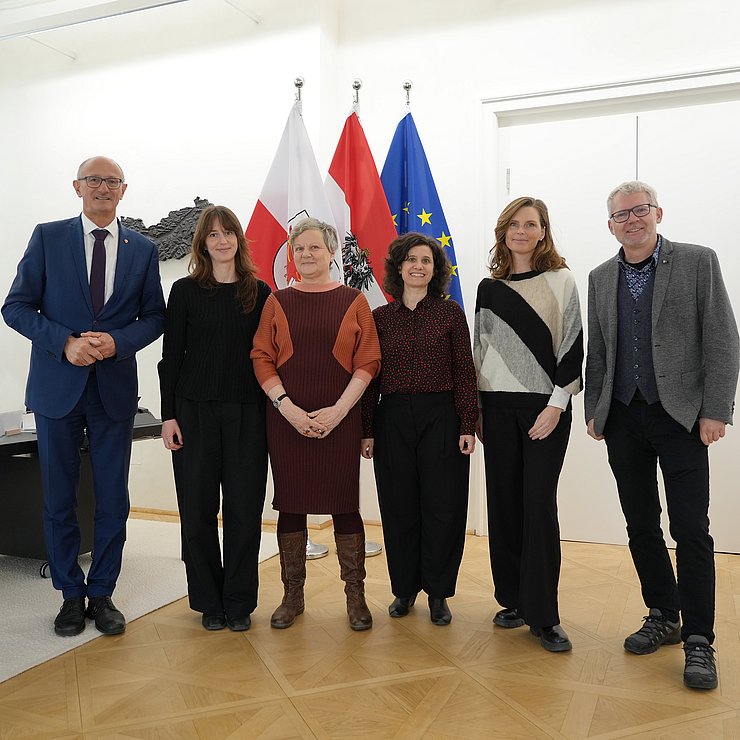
314 353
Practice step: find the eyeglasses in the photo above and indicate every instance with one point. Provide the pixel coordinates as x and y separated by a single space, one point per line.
94 181
619 217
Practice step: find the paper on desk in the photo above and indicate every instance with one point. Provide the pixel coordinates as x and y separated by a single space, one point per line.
10 420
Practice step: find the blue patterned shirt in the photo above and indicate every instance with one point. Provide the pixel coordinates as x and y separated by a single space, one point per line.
638 277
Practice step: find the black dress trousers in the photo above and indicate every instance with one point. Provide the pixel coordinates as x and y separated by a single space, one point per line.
222 464
523 530
638 437
422 479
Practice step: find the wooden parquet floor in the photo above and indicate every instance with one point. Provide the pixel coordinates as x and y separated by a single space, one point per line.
168 678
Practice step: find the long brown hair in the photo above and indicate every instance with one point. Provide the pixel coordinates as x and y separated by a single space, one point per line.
201 267
545 256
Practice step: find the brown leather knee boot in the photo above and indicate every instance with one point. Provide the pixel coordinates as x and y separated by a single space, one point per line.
351 554
292 548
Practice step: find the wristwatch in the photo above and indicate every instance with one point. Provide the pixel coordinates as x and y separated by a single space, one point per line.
276 402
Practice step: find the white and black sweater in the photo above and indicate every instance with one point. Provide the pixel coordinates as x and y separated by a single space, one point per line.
529 339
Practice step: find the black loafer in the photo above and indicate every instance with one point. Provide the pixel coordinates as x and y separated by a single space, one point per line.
508 619
107 618
213 622
439 612
552 638
239 624
401 605
71 618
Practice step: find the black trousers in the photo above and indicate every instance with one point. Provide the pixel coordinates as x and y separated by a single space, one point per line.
422 479
523 530
638 437
223 463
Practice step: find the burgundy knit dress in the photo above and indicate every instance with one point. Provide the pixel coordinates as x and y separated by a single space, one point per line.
314 342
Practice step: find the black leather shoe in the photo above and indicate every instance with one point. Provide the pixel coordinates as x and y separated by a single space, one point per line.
213 621
239 624
107 618
552 638
508 618
439 612
71 618
401 605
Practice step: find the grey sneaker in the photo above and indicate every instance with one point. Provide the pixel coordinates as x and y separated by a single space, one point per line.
701 670
656 631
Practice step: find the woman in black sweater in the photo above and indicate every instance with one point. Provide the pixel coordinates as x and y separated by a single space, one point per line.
214 419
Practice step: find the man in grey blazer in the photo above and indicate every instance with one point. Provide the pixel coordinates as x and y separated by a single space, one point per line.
661 375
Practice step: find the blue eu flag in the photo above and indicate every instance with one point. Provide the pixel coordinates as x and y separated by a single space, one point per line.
412 195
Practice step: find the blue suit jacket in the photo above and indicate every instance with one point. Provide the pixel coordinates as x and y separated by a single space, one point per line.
50 300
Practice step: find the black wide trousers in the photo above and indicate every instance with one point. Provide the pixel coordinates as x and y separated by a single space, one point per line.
222 464
422 479
523 530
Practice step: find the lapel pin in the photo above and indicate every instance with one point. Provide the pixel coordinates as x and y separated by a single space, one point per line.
125 241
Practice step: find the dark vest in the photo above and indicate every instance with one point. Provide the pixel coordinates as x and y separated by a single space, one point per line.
634 366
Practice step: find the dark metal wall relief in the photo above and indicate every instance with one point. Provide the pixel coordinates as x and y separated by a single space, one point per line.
173 235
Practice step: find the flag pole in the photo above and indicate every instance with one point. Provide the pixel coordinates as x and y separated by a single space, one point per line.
314 550
356 85
371 548
407 85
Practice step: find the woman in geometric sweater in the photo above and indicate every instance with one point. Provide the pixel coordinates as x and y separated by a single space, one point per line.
528 351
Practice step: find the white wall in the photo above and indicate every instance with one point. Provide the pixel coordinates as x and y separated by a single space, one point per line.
197 109
189 109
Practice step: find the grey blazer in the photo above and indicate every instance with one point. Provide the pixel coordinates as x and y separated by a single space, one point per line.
696 352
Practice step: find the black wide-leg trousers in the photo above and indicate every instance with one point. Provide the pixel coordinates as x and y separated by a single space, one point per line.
523 530
422 480
222 464
638 437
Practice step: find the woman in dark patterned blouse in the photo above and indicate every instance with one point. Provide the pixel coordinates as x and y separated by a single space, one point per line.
422 433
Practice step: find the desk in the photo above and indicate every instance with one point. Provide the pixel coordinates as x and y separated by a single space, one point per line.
22 499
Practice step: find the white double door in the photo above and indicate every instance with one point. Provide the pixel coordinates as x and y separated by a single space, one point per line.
691 155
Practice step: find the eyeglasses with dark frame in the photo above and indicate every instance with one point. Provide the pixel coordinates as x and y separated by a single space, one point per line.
619 217
95 181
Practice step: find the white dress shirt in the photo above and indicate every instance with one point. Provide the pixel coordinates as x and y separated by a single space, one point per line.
111 250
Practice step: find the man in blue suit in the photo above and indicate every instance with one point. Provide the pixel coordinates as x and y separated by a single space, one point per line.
88 296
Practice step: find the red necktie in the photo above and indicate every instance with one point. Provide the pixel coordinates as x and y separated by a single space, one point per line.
97 270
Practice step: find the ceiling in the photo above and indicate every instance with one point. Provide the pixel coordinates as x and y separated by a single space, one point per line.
27 17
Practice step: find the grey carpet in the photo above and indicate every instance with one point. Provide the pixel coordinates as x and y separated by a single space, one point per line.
152 575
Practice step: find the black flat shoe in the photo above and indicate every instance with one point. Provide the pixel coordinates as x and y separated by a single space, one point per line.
552 638
401 605
71 618
213 622
508 619
239 624
107 618
439 612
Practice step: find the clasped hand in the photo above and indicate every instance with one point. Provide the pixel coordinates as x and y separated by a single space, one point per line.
89 347
313 424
